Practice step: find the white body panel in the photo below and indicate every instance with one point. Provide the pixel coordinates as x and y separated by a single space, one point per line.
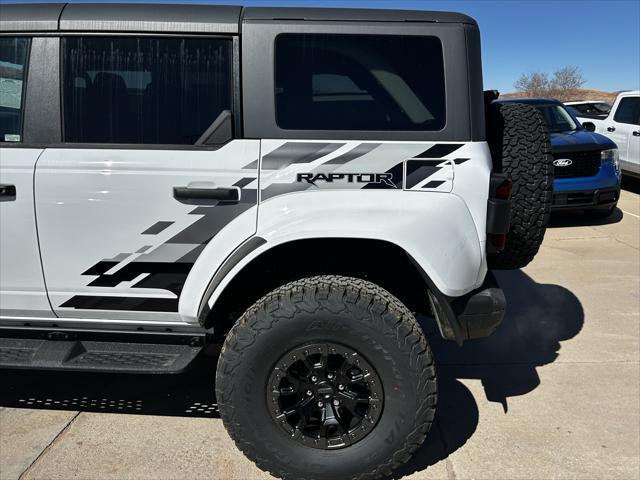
350 214
442 228
622 134
112 232
117 246
22 287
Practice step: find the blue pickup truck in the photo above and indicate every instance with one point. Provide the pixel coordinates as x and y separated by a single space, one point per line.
586 169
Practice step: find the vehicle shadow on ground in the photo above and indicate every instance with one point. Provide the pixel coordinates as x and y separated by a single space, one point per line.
581 219
189 394
631 184
538 318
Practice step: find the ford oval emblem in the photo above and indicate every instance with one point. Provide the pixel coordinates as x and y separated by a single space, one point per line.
562 162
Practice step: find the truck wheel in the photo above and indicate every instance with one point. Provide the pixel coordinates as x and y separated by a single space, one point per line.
520 147
327 377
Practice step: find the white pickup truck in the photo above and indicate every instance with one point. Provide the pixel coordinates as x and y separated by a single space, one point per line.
622 125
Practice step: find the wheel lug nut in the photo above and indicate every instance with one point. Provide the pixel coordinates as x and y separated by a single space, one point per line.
329 376
320 404
314 378
340 387
336 402
309 393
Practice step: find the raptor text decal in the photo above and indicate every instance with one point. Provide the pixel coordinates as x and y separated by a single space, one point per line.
380 178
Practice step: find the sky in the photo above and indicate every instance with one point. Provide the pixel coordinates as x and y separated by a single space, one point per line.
521 36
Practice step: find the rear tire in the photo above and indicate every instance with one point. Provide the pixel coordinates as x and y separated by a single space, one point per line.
271 349
519 144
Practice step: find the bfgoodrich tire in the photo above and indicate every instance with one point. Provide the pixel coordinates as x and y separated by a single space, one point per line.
519 144
327 377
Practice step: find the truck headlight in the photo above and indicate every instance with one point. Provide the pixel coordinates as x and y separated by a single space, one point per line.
611 155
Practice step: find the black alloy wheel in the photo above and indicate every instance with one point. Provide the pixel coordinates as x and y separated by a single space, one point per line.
325 395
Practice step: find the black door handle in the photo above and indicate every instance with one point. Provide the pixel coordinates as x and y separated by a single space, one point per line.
611 129
636 133
7 191
223 194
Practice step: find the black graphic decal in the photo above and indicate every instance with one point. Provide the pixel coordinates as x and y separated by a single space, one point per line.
352 154
243 182
101 267
167 275
396 175
433 184
172 275
156 228
138 304
252 166
297 152
440 150
419 170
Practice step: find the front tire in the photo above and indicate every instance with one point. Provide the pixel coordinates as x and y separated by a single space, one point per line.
313 341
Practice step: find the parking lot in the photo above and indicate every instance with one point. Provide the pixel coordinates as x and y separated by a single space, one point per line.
553 394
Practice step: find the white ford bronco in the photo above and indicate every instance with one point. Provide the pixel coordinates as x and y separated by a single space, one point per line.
295 184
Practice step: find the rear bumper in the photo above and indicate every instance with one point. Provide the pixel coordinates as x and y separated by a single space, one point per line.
474 315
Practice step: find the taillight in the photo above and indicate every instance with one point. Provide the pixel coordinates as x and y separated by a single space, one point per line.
498 241
504 190
498 212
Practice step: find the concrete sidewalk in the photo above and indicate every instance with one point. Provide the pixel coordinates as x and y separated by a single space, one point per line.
553 394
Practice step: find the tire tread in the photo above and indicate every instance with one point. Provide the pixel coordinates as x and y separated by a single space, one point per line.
520 147
333 293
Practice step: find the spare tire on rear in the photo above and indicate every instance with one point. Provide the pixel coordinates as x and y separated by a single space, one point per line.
519 144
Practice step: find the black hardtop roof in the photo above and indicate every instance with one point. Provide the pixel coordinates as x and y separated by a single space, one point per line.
354 15
189 17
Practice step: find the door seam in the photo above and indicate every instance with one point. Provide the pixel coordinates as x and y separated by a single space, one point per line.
35 219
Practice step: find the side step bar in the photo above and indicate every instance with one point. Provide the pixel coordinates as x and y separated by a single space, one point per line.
79 351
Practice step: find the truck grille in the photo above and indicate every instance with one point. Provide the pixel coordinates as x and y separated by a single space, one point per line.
584 164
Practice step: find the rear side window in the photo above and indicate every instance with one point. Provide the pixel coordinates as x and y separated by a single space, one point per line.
13 66
628 111
144 90
359 82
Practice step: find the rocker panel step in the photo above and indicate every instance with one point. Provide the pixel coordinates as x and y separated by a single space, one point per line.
87 355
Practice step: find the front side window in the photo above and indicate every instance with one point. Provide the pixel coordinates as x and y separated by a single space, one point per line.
557 118
13 66
359 82
628 111
144 90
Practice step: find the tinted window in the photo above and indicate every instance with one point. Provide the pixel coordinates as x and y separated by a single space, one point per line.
557 118
144 90
592 108
581 108
628 111
13 66
602 107
359 82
